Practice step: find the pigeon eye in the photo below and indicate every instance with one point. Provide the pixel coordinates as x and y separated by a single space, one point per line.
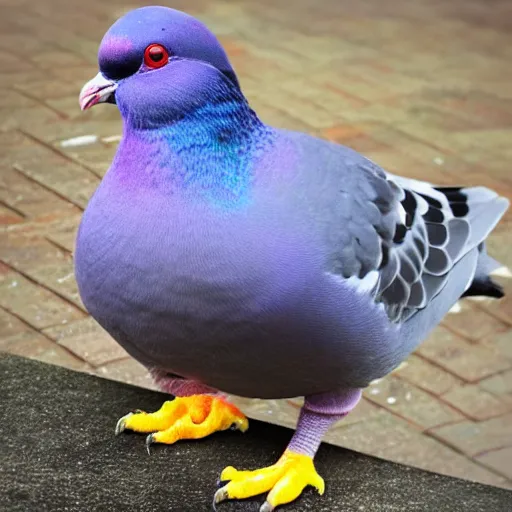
156 56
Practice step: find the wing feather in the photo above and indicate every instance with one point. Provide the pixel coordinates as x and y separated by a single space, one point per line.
412 234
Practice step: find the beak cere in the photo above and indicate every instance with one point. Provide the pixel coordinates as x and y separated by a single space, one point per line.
97 90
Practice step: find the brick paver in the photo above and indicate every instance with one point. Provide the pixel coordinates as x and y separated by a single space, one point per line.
476 403
422 88
411 403
475 438
499 384
460 357
498 460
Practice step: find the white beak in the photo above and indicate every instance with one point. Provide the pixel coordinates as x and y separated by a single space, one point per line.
97 90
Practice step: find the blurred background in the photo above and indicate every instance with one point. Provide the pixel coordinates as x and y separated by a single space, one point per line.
422 87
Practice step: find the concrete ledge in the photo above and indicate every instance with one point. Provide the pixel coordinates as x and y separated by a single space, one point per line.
59 453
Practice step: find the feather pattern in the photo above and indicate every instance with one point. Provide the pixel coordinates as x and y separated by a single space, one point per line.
422 233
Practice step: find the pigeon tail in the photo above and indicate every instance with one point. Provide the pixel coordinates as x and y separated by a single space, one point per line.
482 284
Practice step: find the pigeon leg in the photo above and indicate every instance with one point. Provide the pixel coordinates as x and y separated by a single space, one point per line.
198 413
295 470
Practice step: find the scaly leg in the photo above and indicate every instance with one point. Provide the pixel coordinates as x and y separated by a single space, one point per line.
198 412
295 469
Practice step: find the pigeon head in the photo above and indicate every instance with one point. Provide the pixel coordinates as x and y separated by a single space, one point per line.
159 64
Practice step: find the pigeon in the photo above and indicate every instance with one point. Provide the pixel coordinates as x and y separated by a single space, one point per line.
232 257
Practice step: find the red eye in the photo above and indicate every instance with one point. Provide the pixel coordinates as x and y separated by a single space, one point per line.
156 56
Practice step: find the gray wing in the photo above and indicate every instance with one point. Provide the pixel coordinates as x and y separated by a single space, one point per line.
405 236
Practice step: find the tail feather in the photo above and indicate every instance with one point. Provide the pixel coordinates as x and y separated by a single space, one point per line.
483 218
484 288
483 209
482 284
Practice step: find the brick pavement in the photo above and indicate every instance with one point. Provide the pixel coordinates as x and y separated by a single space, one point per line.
422 87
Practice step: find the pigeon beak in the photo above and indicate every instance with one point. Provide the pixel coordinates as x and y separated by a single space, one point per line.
97 90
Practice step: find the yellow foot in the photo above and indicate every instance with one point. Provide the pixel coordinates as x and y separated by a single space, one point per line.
285 480
191 417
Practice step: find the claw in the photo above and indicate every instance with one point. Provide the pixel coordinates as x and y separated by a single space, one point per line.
220 495
121 424
149 441
266 507
241 424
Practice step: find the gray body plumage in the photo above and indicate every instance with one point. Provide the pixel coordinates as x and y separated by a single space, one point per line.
309 287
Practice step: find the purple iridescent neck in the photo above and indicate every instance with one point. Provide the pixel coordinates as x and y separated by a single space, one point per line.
209 146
